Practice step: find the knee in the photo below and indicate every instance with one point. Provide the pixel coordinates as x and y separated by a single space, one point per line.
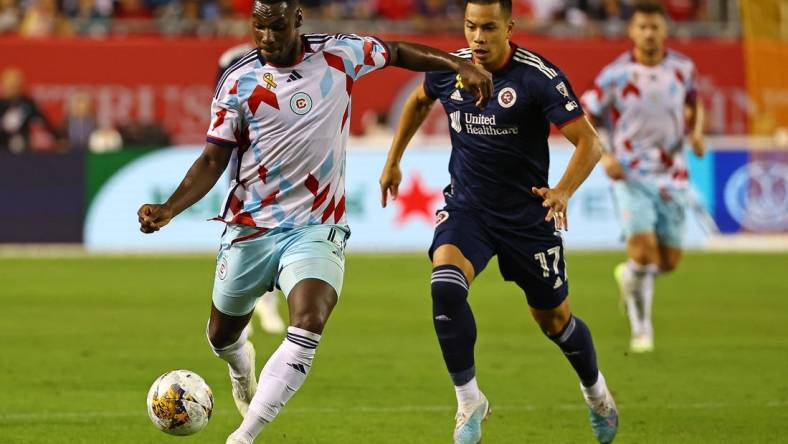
313 322
667 266
221 339
553 322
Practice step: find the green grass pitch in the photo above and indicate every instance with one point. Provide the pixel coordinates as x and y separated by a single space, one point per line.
83 339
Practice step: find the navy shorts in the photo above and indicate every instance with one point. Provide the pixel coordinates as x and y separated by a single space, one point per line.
531 257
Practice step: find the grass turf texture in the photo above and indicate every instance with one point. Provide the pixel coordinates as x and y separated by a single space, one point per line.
83 339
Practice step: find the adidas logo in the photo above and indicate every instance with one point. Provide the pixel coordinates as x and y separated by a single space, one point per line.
455 121
295 75
297 367
456 96
558 282
442 318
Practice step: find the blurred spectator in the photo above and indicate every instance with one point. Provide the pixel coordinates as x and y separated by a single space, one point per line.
42 18
132 9
684 10
104 140
86 19
230 22
144 134
9 16
348 9
545 11
396 9
17 113
80 121
436 15
184 18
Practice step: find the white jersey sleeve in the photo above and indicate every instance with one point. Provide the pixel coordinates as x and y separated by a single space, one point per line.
226 115
597 99
359 55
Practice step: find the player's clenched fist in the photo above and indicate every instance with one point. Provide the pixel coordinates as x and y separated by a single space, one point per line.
153 217
477 81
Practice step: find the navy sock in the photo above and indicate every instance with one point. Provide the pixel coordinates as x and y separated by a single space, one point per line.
454 322
578 347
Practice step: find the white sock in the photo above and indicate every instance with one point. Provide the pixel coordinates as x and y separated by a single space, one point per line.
596 391
234 355
639 286
647 299
467 393
282 376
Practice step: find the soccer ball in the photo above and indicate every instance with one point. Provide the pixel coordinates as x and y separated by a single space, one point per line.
180 403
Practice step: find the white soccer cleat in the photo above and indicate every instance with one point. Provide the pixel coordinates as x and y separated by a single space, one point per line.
603 416
235 439
641 344
468 429
268 315
245 387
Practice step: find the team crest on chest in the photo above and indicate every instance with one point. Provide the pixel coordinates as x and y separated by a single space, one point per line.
507 97
301 103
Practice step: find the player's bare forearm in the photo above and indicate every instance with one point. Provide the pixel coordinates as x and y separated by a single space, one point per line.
201 177
696 119
588 151
416 109
414 112
416 57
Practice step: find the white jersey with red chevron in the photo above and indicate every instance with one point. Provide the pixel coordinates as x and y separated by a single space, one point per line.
290 126
646 105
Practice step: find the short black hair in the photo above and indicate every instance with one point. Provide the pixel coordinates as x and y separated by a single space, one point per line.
649 7
506 5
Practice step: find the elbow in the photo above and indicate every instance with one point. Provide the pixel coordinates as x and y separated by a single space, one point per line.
596 149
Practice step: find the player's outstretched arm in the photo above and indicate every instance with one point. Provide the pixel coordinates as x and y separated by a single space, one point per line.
415 57
200 178
416 109
696 118
588 150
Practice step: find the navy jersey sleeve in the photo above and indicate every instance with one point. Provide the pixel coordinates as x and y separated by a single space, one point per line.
558 100
431 88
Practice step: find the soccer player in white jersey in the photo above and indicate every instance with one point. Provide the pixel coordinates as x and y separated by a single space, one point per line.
285 109
267 307
650 96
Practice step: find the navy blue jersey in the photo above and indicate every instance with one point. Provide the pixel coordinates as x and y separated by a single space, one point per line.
500 152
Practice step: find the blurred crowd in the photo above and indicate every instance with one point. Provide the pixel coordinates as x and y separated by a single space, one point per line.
41 18
25 128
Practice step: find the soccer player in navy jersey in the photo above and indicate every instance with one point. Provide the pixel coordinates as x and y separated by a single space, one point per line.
499 203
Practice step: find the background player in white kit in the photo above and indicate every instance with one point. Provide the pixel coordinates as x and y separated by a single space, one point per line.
651 98
285 109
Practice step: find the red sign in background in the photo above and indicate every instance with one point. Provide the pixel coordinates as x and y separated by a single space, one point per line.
170 81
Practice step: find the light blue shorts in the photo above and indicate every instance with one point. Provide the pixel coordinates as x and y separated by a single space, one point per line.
642 209
249 264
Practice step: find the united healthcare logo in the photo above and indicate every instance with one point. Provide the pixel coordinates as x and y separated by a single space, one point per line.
756 196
